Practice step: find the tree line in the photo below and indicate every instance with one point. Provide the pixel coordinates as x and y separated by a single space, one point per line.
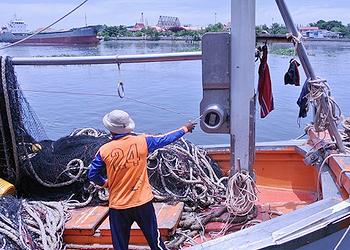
333 25
108 32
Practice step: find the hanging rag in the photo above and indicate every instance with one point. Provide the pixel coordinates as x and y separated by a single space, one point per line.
292 76
264 86
303 100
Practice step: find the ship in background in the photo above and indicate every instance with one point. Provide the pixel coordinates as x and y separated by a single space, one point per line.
17 30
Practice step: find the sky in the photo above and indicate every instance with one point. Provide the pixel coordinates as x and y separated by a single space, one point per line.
39 13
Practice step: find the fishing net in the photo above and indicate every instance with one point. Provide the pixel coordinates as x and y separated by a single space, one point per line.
53 170
47 170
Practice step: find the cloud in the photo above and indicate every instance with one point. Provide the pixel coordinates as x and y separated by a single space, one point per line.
304 12
39 13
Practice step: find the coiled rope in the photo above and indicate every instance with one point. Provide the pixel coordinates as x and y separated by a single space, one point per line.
241 194
39 225
183 172
318 89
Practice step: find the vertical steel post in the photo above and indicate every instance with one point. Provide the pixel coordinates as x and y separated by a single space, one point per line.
242 83
301 51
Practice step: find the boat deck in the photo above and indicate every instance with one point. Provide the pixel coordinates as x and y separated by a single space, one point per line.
90 226
284 183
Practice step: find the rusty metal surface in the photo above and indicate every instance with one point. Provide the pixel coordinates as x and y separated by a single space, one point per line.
284 200
340 166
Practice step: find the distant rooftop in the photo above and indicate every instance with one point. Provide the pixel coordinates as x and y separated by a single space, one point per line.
308 28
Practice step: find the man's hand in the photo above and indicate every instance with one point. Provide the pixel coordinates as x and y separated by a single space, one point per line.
106 184
190 126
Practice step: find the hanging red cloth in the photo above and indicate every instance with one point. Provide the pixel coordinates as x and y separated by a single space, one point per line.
264 86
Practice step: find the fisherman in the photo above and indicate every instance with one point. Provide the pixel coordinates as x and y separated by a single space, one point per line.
130 193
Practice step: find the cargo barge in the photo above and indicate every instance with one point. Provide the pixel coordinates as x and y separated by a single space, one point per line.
16 31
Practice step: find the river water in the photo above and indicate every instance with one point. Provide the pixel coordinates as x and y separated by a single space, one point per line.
174 85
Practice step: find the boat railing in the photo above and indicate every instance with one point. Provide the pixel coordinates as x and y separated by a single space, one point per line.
112 59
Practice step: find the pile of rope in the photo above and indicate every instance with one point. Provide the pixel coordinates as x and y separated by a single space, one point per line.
346 133
241 195
27 225
320 96
183 172
238 211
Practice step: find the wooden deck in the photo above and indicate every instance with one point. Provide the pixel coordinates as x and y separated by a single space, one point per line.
90 226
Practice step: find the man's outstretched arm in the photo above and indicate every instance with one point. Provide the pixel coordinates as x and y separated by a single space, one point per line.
158 141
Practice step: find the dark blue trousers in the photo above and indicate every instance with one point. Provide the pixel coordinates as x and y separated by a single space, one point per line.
120 221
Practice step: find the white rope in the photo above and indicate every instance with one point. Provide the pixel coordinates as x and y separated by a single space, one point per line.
71 165
41 225
87 131
296 39
345 133
241 194
318 89
190 166
4 244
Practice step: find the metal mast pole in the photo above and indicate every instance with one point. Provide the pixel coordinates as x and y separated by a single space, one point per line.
242 116
301 51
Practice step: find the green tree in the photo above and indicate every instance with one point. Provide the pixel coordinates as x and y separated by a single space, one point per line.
218 27
261 29
277 29
347 34
114 31
329 25
151 33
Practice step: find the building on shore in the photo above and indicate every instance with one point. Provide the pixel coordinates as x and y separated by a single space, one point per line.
169 23
315 32
137 27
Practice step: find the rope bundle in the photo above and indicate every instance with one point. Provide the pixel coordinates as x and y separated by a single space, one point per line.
346 133
32 224
183 172
241 194
320 89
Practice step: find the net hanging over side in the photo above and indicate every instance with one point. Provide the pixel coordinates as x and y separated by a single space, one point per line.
48 169
56 170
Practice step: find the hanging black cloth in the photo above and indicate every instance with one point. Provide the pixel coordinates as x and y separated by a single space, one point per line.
292 76
303 100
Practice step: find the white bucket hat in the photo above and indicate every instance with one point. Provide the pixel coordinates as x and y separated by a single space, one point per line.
118 122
